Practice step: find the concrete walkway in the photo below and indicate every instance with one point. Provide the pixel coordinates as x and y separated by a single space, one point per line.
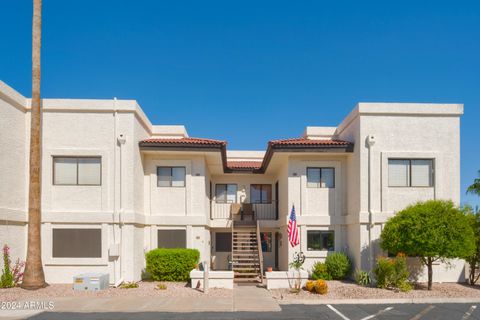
253 298
244 298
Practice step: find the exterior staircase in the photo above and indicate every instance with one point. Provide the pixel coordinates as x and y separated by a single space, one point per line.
247 258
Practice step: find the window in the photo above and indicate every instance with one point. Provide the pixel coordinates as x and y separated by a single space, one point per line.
410 172
223 242
171 176
81 171
266 241
226 193
172 239
320 240
261 193
77 243
321 177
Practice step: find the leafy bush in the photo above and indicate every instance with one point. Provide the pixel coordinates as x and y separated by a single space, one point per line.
310 285
129 285
392 273
11 275
320 272
338 265
171 264
321 287
362 278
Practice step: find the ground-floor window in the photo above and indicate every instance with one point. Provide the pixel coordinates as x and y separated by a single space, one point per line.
266 241
223 242
172 239
77 243
319 240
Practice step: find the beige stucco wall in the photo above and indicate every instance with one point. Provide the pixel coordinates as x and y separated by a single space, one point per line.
130 208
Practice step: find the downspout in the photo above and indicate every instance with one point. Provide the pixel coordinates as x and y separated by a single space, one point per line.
116 262
121 141
370 141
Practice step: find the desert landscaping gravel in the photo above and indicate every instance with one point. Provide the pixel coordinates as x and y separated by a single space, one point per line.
145 289
350 290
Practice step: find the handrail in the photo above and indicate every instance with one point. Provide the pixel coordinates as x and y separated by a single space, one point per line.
232 259
260 253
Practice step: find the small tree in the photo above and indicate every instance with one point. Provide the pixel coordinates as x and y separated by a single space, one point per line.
474 259
432 230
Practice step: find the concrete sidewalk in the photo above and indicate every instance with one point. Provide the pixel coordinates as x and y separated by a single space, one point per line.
244 298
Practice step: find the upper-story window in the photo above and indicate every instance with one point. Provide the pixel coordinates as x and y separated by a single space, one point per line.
261 193
170 176
410 172
80 171
321 177
226 193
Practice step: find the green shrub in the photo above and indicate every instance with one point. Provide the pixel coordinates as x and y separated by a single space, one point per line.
129 285
392 273
338 265
320 272
362 278
171 264
161 286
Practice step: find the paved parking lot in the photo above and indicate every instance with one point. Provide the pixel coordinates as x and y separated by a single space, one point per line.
336 312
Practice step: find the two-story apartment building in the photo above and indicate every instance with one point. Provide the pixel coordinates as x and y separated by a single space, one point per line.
115 186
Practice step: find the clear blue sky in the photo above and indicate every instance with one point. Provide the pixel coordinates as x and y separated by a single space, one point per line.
250 71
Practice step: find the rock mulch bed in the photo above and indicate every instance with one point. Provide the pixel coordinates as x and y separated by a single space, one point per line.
350 290
145 289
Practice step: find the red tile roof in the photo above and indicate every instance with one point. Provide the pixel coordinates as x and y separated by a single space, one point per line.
308 142
247 165
184 141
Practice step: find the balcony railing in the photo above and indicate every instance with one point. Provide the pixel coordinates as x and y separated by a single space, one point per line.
262 211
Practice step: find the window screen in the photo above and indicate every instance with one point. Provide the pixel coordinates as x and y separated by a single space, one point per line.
172 239
223 242
422 173
77 243
321 177
320 240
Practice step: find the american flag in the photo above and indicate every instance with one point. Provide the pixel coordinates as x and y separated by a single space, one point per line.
292 229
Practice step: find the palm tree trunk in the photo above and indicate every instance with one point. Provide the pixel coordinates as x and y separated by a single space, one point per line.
34 277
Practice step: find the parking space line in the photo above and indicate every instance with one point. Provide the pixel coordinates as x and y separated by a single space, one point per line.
423 312
378 313
337 312
468 314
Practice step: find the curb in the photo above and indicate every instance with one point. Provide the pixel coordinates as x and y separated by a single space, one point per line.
381 301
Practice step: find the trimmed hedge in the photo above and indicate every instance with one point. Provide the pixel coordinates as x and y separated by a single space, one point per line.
171 264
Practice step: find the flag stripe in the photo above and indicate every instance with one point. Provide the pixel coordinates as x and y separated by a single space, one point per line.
292 229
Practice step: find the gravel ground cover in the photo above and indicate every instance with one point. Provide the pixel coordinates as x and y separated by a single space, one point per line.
145 289
350 290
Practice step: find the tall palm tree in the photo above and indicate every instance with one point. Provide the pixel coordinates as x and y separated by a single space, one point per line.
475 187
34 277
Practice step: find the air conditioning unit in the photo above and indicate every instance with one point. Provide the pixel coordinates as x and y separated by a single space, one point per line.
91 282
